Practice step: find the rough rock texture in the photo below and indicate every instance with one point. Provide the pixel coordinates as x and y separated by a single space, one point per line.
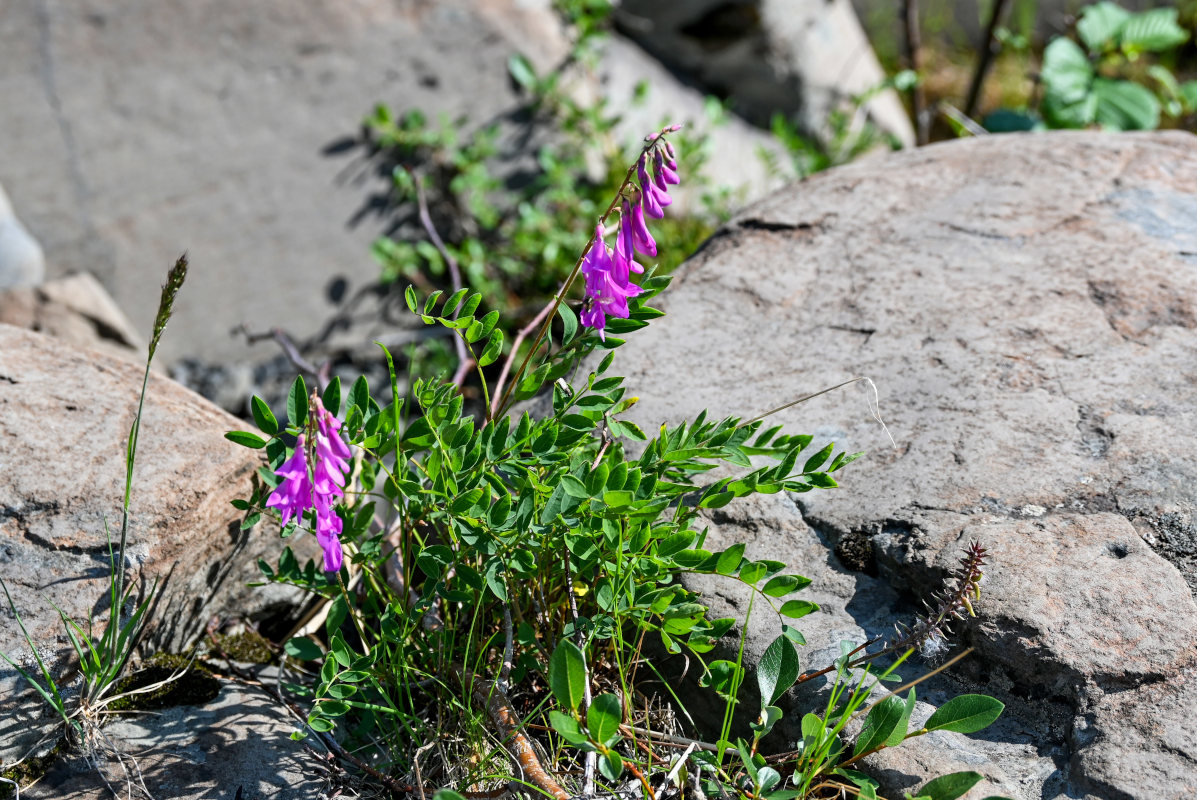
803 58
22 262
65 413
237 745
1025 305
135 129
75 309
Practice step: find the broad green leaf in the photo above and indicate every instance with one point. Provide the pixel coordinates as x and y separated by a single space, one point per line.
899 733
303 648
967 713
951 786
1099 25
246 439
409 296
493 349
332 396
610 766
880 724
568 727
603 718
1066 71
730 559
1152 31
1125 106
753 571
796 609
767 778
784 584
297 402
567 674
777 670
569 323
263 416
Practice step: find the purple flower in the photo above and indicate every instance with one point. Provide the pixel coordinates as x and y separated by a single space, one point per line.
293 496
607 285
654 197
632 219
302 489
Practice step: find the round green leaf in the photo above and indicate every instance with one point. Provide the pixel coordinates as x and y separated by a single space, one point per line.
967 713
603 718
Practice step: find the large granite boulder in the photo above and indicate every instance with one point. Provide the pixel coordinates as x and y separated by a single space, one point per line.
132 128
1025 305
65 413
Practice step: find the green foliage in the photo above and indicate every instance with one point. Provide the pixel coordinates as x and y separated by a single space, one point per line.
1106 76
505 554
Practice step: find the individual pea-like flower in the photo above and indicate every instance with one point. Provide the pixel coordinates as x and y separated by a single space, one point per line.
312 478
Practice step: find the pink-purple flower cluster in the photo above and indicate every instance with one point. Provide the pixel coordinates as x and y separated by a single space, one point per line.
608 270
312 478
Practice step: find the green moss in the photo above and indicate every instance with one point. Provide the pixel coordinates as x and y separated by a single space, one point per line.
248 647
29 770
195 687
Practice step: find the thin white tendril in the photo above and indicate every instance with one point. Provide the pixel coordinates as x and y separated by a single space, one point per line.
874 404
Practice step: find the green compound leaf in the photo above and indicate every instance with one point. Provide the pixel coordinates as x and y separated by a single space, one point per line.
603 718
777 671
951 786
967 713
263 416
567 675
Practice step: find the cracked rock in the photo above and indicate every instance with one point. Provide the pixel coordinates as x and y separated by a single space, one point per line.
1025 306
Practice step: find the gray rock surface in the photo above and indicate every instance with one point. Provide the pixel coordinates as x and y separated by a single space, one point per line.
1025 307
803 58
66 413
237 745
75 309
135 129
22 262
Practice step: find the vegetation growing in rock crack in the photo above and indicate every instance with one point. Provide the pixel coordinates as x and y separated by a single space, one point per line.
495 587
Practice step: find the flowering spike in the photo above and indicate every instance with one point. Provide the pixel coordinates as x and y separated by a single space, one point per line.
313 478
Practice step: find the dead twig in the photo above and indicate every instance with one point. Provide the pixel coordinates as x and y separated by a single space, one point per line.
918 99
989 48
488 695
515 346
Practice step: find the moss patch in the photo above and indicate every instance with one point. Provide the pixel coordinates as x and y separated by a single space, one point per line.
29 770
195 687
248 647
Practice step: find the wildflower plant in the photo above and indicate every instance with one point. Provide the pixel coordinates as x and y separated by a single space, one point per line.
494 583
